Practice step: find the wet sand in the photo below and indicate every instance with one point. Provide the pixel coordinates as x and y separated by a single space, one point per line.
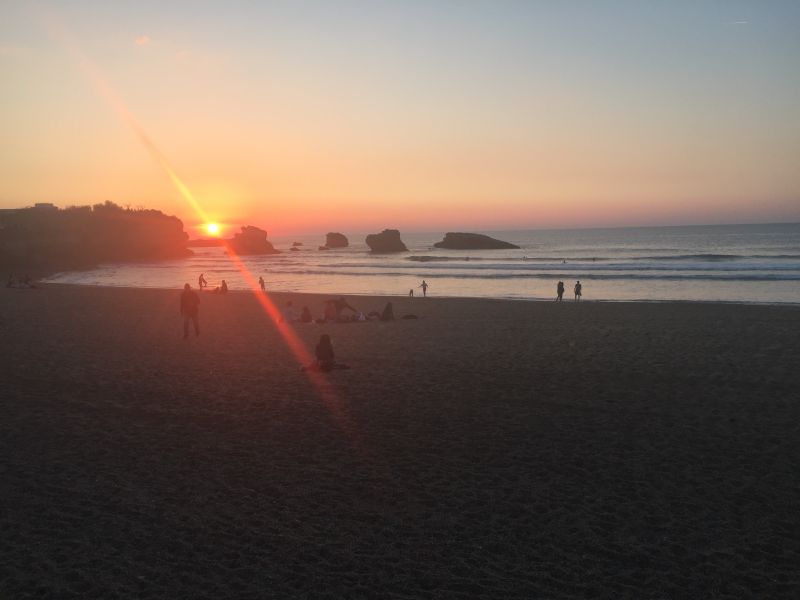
489 449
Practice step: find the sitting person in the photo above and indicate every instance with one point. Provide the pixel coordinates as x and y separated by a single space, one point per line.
305 316
325 356
223 288
288 313
388 312
330 311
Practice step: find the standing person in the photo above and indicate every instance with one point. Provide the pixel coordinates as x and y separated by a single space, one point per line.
578 288
201 282
411 293
190 309
560 291
262 284
424 287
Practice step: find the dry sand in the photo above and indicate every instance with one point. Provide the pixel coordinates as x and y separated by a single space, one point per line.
490 449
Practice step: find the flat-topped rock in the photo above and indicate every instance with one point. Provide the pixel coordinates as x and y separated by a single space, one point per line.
336 240
386 241
472 241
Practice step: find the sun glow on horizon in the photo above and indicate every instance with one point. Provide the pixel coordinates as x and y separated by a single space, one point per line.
212 229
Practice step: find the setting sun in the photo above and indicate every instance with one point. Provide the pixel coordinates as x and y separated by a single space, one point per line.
212 228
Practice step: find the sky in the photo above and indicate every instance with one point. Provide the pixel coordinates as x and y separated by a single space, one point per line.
305 117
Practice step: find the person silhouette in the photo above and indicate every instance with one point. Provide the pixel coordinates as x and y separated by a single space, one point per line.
388 312
262 284
424 287
223 287
190 309
325 356
288 313
411 293
201 282
578 289
305 315
560 291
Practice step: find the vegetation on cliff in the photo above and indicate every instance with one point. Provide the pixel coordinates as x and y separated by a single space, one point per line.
45 237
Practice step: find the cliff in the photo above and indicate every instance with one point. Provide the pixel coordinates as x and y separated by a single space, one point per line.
48 238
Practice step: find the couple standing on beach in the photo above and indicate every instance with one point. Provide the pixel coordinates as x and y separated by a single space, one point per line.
560 291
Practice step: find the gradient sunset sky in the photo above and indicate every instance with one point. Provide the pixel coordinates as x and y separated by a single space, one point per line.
355 116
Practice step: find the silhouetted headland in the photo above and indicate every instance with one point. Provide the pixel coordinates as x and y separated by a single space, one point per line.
45 237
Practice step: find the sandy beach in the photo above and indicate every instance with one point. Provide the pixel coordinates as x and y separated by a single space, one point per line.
488 449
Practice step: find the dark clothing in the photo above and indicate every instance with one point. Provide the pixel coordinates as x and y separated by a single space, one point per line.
190 303
388 313
190 309
325 356
195 321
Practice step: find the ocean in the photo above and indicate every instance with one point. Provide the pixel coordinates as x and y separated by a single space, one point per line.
731 263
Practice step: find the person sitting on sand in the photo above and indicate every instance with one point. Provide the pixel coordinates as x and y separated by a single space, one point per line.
305 315
330 311
262 284
190 309
326 358
560 291
223 287
288 313
578 288
388 312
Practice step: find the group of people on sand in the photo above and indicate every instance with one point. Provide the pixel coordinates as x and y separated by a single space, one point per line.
337 310
560 291
325 355
222 288
20 282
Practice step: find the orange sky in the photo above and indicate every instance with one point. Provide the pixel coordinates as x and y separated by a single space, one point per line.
310 121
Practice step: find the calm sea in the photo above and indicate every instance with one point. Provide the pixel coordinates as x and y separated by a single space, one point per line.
736 263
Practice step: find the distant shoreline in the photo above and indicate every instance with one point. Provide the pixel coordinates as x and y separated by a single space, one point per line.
434 298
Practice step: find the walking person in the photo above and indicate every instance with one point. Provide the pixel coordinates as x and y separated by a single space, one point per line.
560 291
201 282
578 289
190 309
424 287
262 284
